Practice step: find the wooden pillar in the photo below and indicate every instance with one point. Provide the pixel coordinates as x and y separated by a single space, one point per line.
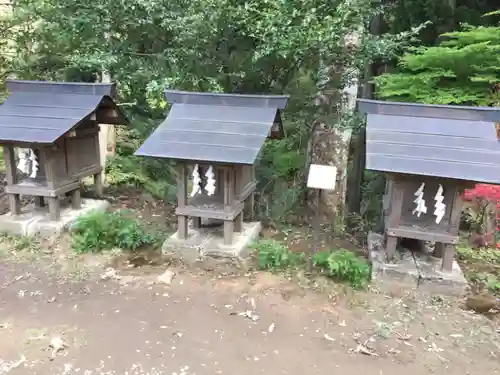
449 250
99 177
76 199
50 168
394 218
238 223
229 197
54 208
196 222
11 177
182 220
39 202
250 201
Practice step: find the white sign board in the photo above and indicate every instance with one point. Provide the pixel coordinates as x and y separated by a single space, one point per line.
322 177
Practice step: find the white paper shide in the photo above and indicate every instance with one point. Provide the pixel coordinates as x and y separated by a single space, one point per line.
439 206
419 201
28 162
210 185
210 182
196 181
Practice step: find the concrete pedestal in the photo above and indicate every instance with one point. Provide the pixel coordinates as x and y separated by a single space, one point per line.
414 270
36 221
209 241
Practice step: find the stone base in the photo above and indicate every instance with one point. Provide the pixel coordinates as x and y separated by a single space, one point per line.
414 270
208 241
36 221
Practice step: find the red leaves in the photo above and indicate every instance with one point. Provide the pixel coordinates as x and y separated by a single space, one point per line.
483 191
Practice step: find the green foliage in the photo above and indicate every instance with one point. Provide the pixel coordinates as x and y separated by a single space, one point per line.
273 255
442 16
463 69
19 243
481 266
489 256
256 46
340 265
99 231
344 266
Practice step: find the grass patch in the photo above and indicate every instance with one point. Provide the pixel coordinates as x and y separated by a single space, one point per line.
340 265
481 267
104 231
14 244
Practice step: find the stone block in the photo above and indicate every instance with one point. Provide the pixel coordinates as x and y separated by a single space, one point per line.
209 241
36 221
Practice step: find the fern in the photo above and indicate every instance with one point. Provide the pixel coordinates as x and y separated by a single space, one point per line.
464 69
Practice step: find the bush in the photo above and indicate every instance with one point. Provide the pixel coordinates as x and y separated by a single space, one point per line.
340 265
344 266
274 255
100 231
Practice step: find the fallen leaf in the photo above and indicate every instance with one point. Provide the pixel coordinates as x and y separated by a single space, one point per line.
364 350
328 337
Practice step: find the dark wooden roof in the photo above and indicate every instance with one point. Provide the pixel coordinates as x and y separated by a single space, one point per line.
225 128
433 140
42 112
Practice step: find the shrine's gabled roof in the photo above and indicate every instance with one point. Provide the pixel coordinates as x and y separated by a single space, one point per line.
224 128
433 140
42 112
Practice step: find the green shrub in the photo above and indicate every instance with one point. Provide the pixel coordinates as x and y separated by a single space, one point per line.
275 255
343 265
100 231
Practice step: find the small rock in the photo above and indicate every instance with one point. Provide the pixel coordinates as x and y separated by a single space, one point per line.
166 277
110 274
57 344
271 328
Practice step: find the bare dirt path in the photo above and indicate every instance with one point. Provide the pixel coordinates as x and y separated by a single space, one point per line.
138 326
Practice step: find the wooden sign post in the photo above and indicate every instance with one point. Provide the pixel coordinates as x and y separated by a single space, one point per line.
320 177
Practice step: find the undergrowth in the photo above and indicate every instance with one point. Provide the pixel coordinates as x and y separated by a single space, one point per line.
100 231
340 265
481 267
19 243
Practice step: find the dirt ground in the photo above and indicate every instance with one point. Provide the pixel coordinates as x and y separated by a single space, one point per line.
218 319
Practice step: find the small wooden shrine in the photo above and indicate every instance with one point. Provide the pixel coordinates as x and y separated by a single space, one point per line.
216 138
55 126
430 153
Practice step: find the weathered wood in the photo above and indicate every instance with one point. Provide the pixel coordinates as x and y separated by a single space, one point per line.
50 167
182 220
439 249
229 195
238 223
456 211
229 201
394 218
35 188
448 256
54 208
228 232
422 234
99 185
39 202
196 222
76 199
182 226
210 212
10 164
